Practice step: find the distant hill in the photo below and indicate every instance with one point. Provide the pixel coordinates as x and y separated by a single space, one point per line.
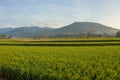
23 32
85 27
5 30
74 28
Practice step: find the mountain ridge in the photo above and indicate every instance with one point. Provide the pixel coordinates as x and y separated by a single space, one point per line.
73 28
86 27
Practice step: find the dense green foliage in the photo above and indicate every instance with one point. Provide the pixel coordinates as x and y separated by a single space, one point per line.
60 63
118 34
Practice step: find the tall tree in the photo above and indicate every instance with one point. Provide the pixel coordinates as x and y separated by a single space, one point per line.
118 34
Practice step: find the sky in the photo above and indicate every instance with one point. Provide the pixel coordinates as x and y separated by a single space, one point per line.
58 13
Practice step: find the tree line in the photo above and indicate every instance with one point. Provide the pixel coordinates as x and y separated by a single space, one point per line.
3 36
79 35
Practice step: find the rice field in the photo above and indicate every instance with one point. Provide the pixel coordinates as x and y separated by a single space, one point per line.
59 62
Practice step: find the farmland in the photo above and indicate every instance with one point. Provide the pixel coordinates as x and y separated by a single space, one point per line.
34 60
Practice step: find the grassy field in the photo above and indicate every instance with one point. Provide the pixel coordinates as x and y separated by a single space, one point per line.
62 42
60 62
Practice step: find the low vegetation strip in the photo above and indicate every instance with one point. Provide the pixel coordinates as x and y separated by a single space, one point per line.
61 44
61 39
112 40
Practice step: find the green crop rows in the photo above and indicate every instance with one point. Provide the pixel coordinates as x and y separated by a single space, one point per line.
63 42
60 62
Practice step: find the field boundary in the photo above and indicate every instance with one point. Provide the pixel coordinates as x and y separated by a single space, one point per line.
96 44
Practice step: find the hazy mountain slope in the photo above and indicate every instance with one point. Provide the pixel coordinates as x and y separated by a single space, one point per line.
85 27
27 31
76 27
5 30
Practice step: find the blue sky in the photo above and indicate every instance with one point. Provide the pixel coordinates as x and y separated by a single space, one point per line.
57 13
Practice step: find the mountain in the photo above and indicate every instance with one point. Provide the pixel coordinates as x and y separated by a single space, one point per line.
85 27
5 30
74 28
26 32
